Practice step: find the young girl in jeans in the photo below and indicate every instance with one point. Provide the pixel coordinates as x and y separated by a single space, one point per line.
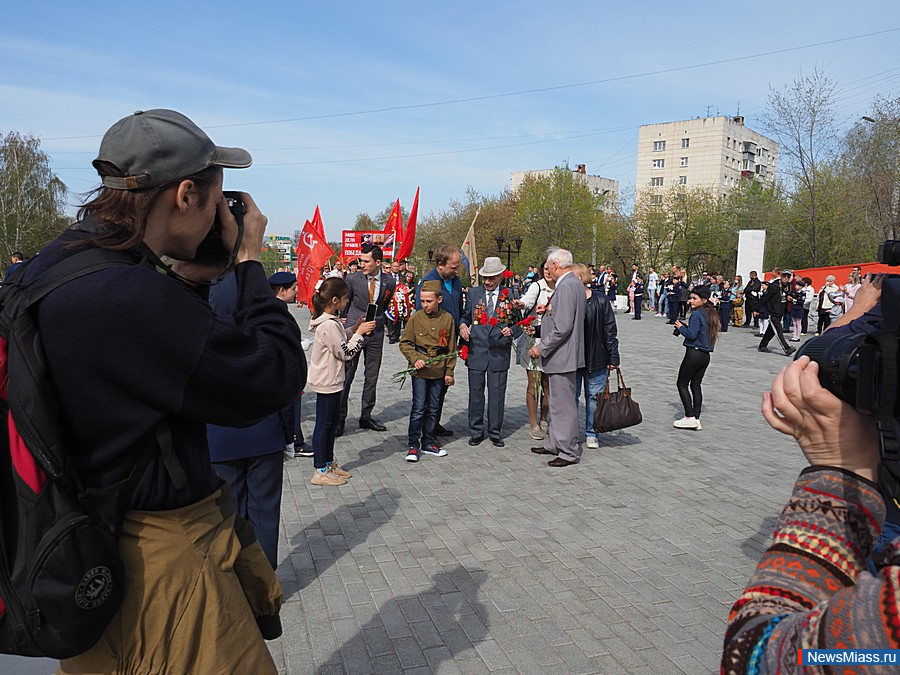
700 335
330 350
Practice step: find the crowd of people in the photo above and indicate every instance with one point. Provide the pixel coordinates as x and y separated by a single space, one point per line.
194 364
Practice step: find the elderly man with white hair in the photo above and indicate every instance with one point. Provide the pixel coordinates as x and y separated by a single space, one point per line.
562 353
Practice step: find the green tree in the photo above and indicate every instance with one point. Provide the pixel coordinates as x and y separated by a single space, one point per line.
557 210
365 222
872 157
801 117
32 197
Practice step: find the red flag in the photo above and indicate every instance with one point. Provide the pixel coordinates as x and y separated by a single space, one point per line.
409 234
393 231
312 253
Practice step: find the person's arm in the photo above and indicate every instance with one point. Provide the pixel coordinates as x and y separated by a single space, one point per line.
333 339
810 589
565 310
251 363
408 340
694 326
610 335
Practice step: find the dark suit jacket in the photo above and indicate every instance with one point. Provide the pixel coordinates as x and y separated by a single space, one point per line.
488 349
773 300
359 299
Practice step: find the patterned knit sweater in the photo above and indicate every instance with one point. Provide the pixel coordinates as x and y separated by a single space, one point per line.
811 589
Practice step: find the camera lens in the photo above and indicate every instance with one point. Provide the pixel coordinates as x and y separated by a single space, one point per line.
837 354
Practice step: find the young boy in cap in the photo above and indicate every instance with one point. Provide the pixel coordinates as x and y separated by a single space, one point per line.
486 327
284 286
429 333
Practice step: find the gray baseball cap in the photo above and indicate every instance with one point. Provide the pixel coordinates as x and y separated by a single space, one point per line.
155 147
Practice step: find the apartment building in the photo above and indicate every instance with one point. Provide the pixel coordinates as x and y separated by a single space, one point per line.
602 187
710 152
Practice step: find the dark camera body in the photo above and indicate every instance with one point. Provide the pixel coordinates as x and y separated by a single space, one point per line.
852 365
212 249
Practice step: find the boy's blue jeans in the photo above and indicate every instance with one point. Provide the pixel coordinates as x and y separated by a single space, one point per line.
426 397
593 383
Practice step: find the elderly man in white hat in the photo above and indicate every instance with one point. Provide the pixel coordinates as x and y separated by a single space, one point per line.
487 329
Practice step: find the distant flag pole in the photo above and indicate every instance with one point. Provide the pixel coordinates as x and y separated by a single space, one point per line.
469 250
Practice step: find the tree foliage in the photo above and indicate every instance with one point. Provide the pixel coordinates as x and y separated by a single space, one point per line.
32 197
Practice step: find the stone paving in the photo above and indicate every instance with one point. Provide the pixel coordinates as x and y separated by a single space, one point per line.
489 561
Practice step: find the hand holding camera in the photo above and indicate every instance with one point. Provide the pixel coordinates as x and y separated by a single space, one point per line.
828 431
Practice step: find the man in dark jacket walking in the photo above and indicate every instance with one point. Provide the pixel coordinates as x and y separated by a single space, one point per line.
773 301
601 352
752 294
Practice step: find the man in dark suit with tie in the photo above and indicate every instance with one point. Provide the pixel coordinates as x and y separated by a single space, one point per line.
369 285
562 353
489 341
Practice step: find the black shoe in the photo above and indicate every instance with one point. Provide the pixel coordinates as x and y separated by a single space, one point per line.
789 351
498 442
372 424
635 318
442 431
476 441
764 349
392 341
339 431
541 450
559 462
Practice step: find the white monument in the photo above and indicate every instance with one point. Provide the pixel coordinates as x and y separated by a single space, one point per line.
751 249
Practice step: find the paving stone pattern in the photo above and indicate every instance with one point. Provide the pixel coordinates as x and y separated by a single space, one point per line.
489 561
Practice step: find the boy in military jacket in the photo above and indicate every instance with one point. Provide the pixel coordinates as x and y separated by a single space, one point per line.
428 334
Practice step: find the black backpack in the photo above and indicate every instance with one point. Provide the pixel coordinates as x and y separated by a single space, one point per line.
61 577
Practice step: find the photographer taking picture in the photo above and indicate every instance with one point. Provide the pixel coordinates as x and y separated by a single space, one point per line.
137 358
812 589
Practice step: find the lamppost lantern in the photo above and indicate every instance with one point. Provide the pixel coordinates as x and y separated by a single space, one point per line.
430 255
508 248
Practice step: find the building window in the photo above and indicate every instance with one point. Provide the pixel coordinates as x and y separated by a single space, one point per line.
685 142
659 163
684 161
682 180
656 200
659 145
656 182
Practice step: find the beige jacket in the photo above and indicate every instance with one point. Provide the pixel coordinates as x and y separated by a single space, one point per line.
330 349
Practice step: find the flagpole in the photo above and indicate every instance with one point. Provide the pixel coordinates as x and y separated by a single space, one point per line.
472 227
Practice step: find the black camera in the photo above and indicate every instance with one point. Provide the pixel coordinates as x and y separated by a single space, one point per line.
860 368
212 249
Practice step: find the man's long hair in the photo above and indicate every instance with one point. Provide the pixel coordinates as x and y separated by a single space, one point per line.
123 213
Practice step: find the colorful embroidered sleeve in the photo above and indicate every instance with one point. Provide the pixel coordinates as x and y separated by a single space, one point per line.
810 589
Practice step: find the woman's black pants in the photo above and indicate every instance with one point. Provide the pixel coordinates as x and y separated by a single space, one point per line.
690 375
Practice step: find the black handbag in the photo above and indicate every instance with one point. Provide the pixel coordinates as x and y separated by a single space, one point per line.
616 409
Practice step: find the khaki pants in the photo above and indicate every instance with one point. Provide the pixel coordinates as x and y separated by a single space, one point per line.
739 315
193 592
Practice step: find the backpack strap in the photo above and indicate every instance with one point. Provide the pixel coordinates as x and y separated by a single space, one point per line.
75 266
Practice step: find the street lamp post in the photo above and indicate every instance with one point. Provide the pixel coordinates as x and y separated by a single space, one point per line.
509 248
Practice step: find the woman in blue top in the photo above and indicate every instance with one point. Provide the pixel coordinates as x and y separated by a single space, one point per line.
700 335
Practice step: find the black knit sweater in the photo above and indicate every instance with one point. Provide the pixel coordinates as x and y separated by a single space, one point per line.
129 347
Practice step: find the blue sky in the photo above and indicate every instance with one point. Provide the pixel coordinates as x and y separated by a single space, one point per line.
70 70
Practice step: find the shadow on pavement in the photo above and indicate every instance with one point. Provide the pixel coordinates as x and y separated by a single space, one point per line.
753 547
333 536
445 620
